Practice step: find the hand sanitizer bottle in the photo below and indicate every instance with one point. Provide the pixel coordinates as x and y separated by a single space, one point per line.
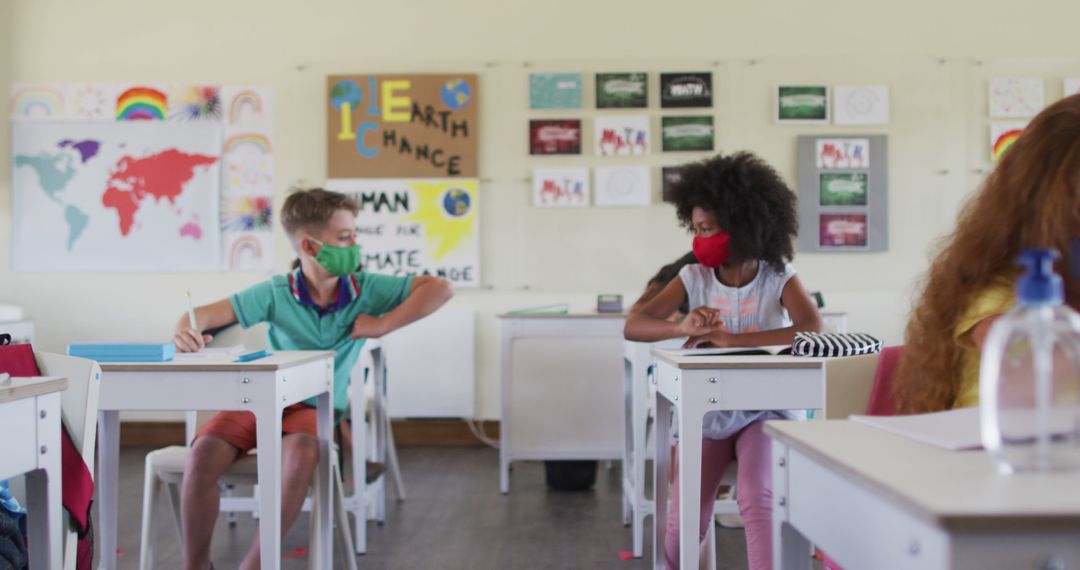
1029 375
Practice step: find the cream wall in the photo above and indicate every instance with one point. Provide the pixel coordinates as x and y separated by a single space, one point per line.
934 56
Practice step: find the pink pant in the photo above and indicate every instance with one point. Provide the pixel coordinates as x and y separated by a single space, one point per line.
753 492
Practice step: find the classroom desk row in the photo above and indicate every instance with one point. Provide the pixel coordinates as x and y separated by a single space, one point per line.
833 486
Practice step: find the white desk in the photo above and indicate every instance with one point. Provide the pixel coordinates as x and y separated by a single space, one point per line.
264 387
560 374
871 499
696 385
30 422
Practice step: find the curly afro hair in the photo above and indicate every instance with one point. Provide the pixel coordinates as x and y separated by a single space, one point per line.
749 200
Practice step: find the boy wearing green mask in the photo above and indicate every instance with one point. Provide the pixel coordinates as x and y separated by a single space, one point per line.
324 303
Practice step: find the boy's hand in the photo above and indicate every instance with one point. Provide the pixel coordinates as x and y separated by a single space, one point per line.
700 321
367 326
190 340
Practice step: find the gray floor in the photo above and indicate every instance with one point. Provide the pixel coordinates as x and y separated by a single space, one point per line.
454 518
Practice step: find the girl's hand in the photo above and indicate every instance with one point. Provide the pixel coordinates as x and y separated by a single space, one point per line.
717 338
189 339
700 321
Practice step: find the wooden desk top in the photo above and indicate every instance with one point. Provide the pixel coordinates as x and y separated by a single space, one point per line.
956 490
708 362
19 387
562 316
224 363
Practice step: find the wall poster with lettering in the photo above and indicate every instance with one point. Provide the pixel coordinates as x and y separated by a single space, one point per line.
417 226
402 126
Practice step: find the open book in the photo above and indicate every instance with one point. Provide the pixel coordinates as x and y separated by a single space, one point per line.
212 351
773 349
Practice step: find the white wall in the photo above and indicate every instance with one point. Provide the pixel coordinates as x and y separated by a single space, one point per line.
934 56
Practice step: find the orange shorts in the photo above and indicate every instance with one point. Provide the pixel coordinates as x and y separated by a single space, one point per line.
238 428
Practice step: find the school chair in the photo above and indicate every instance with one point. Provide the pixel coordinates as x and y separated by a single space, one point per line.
165 470
78 413
879 403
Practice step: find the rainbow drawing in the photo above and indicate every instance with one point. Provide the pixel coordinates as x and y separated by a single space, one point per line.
36 101
253 140
1003 137
244 100
141 103
245 248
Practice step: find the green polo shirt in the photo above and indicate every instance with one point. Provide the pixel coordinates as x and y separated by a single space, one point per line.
298 326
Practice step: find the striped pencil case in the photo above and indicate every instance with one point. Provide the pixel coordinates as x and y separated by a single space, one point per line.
834 344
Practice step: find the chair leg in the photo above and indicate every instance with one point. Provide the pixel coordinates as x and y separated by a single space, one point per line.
348 549
172 493
151 486
392 461
708 555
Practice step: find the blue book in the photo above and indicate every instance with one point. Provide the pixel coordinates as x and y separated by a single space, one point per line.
123 352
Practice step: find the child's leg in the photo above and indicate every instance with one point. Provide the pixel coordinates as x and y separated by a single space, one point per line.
299 457
754 493
715 456
199 498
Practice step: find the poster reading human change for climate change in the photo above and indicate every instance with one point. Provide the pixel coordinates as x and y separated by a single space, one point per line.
417 227
402 126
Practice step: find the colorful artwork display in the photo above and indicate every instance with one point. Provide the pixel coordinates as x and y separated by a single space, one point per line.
142 103
686 90
623 186
861 105
622 90
1002 136
555 136
141 182
37 102
402 126
1011 97
843 188
843 230
554 90
195 103
560 187
247 208
621 136
843 154
687 133
802 104
418 227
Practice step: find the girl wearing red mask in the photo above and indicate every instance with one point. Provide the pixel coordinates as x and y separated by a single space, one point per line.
742 292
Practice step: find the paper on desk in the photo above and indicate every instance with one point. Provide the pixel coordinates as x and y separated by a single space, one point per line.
735 350
212 351
955 430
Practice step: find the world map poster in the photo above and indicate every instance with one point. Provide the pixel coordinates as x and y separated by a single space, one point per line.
116 196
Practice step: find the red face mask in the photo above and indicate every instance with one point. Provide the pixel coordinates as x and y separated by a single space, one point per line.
712 251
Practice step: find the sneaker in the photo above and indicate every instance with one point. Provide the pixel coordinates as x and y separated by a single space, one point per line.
372 471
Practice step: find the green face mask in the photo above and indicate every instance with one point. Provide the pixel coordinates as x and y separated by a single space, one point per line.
338 260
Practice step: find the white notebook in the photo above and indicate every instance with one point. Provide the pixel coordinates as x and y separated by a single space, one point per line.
954 430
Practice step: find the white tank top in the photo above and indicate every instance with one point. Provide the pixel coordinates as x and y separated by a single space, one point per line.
751 308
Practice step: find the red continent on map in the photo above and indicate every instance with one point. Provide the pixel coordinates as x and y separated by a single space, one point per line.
161 175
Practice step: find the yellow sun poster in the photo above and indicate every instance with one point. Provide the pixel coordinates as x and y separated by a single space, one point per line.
417 226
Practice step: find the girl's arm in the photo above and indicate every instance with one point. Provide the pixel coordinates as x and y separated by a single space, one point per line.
649 323
801 308
212 316
426 294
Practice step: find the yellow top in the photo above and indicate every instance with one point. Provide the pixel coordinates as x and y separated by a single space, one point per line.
992 301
